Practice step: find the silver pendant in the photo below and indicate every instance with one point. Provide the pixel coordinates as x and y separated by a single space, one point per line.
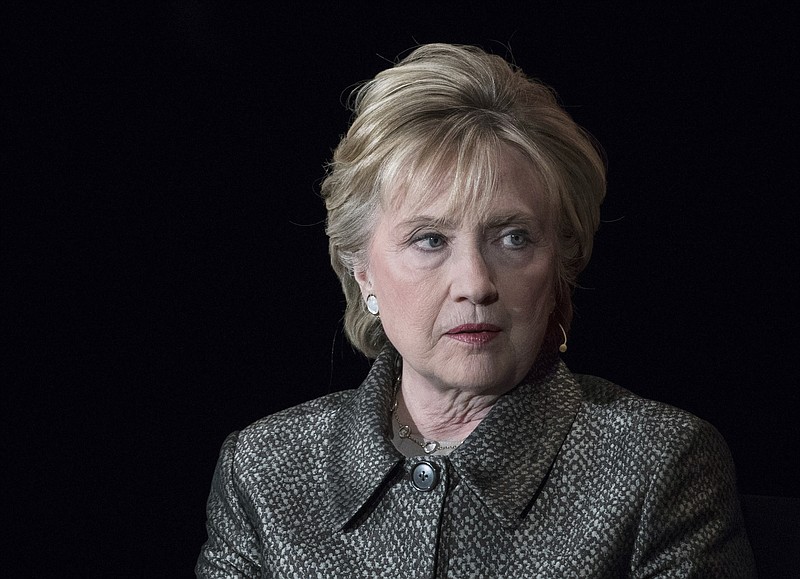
430 447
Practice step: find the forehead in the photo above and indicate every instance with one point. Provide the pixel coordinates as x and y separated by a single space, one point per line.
504 180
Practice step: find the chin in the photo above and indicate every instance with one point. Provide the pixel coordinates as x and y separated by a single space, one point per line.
480 376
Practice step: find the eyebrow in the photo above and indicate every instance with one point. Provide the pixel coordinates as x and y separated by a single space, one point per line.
494 222
427 220
497 221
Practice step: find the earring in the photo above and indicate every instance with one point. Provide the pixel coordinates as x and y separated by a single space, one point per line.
563 347
372 304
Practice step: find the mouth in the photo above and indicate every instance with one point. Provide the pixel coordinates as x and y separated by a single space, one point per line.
474 333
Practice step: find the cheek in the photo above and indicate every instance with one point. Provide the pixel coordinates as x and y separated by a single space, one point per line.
411 311
413 303
533 292
533 312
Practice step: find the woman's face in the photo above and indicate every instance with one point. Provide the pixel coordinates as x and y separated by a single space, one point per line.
466 301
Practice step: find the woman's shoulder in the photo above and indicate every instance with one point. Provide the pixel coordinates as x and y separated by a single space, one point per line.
618 409
305 416
293 431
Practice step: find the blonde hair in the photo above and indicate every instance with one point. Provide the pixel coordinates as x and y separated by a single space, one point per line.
447 112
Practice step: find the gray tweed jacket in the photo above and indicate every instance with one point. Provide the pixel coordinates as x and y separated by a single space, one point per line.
568 476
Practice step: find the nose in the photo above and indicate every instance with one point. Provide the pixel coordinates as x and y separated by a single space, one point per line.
472 278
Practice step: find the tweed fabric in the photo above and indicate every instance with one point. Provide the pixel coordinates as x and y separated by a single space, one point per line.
568 476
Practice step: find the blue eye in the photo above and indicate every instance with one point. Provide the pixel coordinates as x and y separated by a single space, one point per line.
429 241
514 240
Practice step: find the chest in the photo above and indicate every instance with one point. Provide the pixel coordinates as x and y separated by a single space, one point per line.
570 529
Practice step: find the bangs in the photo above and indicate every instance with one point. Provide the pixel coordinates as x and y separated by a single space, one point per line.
461 160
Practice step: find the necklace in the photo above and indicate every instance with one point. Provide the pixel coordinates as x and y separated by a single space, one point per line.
429 446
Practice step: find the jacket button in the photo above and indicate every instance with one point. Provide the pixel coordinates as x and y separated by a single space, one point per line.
424 476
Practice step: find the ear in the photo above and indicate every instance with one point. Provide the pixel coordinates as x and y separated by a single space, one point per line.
363 278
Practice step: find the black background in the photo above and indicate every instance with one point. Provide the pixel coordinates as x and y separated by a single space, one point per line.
165 269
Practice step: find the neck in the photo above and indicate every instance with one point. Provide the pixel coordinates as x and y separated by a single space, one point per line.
441 415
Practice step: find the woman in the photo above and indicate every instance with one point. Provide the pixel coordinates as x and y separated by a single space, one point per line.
461 208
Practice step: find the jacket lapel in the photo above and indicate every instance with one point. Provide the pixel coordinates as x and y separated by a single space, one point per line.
361 460
505 461
507 458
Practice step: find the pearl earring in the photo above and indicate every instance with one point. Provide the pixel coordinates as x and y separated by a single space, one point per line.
563 347
372 304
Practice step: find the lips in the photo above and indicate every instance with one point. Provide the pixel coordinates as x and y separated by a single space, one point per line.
473 328
474 333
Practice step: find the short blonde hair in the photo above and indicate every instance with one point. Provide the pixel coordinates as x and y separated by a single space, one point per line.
447 112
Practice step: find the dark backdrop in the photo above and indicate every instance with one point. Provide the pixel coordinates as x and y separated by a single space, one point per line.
165 269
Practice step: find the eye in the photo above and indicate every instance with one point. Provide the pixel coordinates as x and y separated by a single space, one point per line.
429 241
514 240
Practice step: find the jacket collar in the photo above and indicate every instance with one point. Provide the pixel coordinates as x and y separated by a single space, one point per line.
505 461
361 459
508 457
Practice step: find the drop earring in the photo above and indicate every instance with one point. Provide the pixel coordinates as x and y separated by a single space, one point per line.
563 347
372 305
